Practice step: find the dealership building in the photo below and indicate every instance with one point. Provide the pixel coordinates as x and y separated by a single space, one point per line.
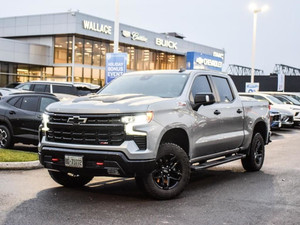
73 46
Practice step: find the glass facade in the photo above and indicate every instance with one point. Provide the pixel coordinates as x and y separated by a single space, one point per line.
89 62
90 59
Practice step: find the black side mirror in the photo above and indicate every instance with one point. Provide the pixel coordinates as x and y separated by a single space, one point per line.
204 99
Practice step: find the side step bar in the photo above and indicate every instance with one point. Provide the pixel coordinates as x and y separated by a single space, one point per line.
217 162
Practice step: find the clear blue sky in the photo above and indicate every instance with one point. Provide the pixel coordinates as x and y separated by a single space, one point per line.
225 24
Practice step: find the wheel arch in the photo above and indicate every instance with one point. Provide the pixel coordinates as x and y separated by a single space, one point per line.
261 127
177 136
5 122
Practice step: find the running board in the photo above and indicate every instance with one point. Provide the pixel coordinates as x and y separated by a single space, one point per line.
217 162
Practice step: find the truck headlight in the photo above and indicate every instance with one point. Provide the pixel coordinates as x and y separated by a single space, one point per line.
44 122
140 119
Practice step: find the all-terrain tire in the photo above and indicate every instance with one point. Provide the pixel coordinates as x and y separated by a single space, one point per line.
256 155
6 139
69 180
171 174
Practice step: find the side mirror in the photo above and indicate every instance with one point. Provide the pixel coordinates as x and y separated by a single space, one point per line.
204 99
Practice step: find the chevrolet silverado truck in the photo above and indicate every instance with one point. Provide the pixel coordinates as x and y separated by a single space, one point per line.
156 126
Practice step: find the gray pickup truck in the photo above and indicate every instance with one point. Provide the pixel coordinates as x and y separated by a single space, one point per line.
156 126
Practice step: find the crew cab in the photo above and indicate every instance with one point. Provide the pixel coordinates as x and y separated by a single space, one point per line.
156 126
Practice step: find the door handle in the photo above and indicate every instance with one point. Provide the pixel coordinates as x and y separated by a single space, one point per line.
12 112
217 112
239 111
39 116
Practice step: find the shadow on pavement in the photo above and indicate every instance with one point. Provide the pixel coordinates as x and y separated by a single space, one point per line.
119 201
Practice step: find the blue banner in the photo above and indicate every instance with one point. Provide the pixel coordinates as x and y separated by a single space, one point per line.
197 60
115 66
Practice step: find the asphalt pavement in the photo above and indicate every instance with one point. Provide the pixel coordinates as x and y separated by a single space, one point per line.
222 195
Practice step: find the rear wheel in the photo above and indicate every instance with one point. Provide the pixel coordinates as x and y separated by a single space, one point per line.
5 137
255 158
171 174
70 180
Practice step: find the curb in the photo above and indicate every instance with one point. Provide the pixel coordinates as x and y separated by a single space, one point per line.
20 165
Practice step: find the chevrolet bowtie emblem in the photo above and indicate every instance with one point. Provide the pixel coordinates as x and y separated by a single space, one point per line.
76 120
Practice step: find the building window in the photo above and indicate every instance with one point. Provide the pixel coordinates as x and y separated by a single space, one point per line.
79 50
88 51
61 50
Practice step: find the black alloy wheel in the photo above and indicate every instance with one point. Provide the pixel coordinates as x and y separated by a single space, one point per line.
170 175
168 172
255 158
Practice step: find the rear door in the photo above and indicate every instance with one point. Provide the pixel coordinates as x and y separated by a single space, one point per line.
231 115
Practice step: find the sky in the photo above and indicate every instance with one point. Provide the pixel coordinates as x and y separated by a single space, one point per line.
224 24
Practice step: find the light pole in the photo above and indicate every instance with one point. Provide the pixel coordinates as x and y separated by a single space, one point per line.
255 9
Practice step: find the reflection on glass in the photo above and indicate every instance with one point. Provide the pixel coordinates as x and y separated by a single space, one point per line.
79 50
88 50
60 49
96 53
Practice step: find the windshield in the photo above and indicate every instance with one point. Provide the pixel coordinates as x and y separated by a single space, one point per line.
275 100
161 85
293 100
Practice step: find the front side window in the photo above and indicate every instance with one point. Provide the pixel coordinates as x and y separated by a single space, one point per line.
223 88
200 85
41 88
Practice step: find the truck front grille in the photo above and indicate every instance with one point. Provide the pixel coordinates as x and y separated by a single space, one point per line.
90 130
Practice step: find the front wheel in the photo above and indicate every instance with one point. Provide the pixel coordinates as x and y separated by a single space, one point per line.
171 174
69 180
255 158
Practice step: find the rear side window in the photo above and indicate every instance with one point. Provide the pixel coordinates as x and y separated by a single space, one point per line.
63 89
224 89
13 101
45 102
29 103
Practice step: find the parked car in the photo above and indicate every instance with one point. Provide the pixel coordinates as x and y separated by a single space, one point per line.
156 126
275 116
290 113
20 117
275 119
8 91
12 85
66 88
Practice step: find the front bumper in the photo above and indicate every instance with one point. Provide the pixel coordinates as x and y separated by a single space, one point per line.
95 163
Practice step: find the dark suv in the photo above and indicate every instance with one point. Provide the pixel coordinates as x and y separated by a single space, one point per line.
20 117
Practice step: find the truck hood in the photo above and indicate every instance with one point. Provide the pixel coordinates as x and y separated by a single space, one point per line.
94 104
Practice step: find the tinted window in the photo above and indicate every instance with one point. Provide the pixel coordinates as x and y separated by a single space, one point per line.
200 84
13 101
64 89
45 102
224 89
41 88
29 103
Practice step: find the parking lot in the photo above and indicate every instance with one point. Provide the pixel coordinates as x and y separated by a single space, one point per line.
222 195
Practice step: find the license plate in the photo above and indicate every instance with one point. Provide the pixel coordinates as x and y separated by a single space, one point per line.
73 161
